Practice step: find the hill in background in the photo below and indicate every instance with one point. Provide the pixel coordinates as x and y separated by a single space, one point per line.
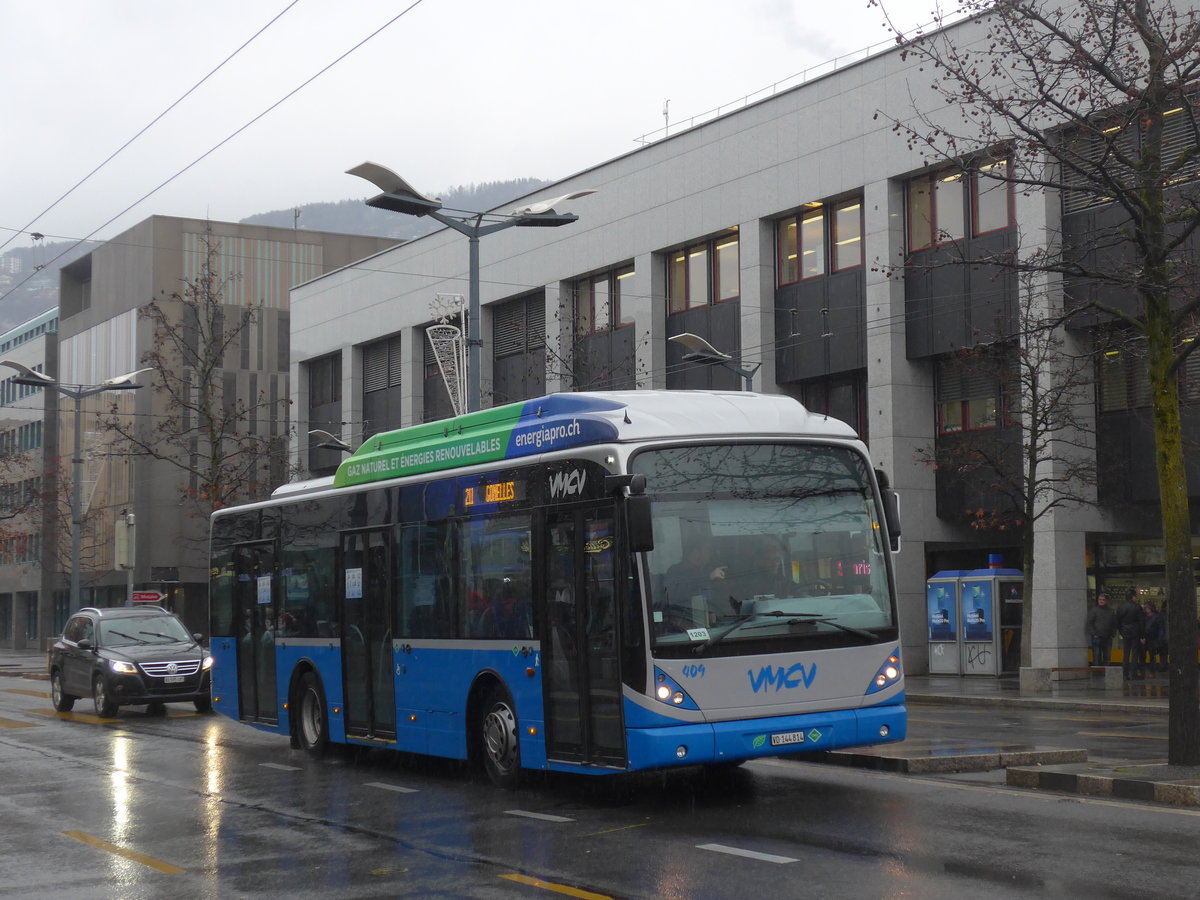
38 293
355 217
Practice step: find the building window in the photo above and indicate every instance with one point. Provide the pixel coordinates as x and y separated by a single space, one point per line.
382 365
704 273
597 301
1124 383
325 380
940 205
822 238
991 203
970 394
847 235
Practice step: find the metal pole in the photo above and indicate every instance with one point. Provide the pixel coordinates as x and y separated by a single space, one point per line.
76 523
474 329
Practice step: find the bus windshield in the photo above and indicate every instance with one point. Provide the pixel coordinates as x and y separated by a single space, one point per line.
763 547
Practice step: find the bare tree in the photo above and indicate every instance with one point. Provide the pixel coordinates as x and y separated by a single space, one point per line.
227 443
1040 457
1096 100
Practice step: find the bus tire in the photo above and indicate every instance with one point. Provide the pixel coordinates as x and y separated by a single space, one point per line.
312 723
500 744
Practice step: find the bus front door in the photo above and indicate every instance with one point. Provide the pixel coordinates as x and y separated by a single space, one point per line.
254 565
580 645
369 690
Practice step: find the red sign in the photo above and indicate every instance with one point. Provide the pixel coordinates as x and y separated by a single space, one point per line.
148 596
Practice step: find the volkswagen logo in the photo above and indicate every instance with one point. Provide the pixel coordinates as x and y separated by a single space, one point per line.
172 668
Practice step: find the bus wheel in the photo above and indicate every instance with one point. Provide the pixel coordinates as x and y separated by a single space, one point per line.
312 727
498 732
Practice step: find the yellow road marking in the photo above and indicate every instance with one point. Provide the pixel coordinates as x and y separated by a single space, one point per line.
157 864
13 723
44 694
1132 737
70 716
557 888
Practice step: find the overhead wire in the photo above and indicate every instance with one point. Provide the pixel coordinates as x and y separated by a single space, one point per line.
149 125
225 140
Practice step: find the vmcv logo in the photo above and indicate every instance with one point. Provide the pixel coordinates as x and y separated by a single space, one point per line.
782 678
567 484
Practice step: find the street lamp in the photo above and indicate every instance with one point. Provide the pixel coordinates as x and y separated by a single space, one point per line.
76 392
330 441
697 349
399 196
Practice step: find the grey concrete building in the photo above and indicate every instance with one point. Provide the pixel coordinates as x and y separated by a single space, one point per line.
101 335
769 231
26 462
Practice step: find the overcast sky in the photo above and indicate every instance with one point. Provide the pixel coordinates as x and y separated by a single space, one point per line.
451 92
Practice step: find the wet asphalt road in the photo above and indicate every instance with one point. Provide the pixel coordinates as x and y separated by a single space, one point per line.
194 805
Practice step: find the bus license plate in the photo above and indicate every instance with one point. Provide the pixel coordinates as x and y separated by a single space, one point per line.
788 737
173 679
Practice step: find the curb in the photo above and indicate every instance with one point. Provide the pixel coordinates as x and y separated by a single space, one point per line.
1171 785
926 764
1115 706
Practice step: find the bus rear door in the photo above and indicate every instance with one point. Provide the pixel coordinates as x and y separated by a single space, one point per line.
580 646
369 689
254 598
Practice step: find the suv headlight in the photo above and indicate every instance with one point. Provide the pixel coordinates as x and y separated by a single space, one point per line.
207 664
123 668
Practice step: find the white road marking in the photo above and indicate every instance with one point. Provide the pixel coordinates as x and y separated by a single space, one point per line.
748 854
545 817
391 787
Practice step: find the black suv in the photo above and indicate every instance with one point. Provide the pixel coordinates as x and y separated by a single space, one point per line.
127 656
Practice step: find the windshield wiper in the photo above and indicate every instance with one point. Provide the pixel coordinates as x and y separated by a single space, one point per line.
829 620
169 637
793 618
735 625
128 637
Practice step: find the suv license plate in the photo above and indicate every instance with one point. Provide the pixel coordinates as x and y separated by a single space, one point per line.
788 737
173 679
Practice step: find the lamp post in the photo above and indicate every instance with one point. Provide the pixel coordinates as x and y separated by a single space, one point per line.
76 392
399 196
697 349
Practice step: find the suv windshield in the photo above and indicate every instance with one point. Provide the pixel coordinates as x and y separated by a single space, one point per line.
763 542
148 629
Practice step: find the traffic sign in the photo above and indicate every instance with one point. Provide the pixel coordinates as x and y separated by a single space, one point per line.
148 596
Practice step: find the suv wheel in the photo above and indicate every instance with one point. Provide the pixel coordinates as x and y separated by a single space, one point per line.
63 701
106 708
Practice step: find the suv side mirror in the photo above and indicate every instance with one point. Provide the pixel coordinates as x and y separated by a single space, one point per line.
84 644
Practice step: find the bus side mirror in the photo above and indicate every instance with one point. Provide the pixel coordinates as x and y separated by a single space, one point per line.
638 518
891 509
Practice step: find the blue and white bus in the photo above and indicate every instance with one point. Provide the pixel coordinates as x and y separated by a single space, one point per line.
588 582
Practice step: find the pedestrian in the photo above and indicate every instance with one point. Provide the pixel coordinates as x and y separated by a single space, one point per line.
1156 639
1129 623
1101 625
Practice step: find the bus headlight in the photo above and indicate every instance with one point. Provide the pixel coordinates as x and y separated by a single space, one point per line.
889 673
670 692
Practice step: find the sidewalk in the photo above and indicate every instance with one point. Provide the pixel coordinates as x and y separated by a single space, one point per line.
1028 767
22 662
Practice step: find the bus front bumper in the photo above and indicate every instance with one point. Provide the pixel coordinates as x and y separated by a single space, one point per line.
720 742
